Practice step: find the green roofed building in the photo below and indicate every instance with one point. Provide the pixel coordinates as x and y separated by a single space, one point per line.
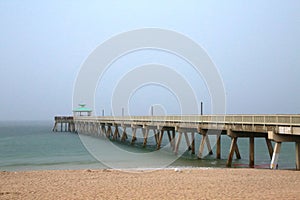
82 111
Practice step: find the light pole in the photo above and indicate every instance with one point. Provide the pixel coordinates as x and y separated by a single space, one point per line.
201 108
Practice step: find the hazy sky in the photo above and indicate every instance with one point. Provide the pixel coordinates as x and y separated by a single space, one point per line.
255 46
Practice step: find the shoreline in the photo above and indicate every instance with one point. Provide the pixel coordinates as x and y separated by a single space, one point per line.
241 166
187 183
88 167
141 170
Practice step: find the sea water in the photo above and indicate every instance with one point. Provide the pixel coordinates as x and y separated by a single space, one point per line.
31 145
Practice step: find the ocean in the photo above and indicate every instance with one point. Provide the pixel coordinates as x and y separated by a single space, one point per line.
31 145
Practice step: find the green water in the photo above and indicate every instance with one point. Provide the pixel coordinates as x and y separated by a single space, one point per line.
33 146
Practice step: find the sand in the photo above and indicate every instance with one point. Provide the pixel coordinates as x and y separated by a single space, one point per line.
161 184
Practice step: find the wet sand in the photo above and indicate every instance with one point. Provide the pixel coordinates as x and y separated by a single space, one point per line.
161 184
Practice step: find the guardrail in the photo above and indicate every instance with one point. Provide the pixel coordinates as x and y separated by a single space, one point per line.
282 120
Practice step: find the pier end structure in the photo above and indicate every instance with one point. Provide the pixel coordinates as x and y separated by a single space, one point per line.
64 124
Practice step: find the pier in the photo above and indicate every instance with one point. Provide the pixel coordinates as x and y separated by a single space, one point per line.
276 128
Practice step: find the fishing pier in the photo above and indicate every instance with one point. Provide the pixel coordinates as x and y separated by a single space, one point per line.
276 128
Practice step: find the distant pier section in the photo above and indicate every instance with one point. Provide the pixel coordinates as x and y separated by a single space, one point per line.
64 124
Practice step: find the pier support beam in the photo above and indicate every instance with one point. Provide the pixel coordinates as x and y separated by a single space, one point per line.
156 136
95 130
297 155
193 142
178 142
145 133
187 141
133 135
232 150
173 139
108 132
204 140
251 152
116 133
210 152
279 138
124 134
275 156
251 136
55 127
103 130
202 144
161 133
170 138
237 152
219 146
270 147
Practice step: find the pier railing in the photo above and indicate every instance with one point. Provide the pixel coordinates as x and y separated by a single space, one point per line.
277 120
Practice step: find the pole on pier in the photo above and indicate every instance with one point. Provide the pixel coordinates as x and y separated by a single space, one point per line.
103 112
152 111
201 108
122 112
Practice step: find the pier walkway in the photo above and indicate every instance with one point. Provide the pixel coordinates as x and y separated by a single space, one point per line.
276 128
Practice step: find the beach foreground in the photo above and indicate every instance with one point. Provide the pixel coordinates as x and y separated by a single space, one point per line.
160 184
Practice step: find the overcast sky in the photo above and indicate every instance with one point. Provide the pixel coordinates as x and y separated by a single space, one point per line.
255 45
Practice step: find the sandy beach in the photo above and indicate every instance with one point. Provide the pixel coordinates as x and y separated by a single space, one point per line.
160 184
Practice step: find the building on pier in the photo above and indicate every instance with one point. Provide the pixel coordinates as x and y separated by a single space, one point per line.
82 111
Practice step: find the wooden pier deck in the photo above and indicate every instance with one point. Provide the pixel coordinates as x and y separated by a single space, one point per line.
277 128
